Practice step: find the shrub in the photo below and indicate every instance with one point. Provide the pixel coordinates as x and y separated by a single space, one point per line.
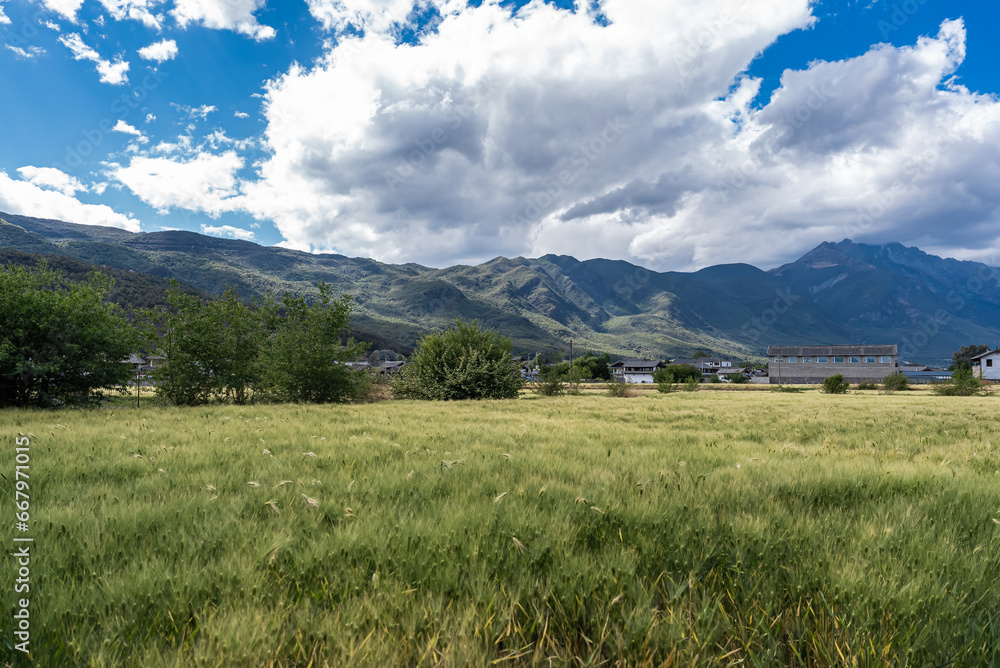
962 384
739 378
867 385
691 385
463 362
621 390
836 385
895 382
666 383
680 372
550 384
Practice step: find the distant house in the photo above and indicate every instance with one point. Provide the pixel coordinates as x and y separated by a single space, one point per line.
635 371
807 365
710 366
987 365
390 369
922 375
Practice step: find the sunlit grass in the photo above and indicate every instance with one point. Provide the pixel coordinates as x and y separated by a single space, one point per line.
701 528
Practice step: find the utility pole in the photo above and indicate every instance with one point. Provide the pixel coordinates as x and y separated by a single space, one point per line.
571 365
137 388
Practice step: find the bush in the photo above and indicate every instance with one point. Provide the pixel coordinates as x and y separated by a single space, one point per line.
550 384
739 378
867 385
691 384
895 382
463 362
836 385
962 384
620 390
665 383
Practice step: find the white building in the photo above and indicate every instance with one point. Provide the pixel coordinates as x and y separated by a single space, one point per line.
634 371
987 365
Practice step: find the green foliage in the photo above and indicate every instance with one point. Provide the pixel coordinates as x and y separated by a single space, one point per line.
962 358
895 382
698 354
739 378
231 350
550 383
836 384
962 384
691 385
463 362
59 340
596 366
620 390
867 385
679 372
665 382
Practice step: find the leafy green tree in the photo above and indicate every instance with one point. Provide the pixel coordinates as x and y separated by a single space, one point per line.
212 349
665 382
304 357
962 358
550 383
59 340
463 362
680 373
836 384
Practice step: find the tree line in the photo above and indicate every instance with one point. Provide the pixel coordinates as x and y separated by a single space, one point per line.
61 343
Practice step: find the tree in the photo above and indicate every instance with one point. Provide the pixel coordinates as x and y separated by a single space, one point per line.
463 362
836 384
680 373
212 349
304 358
698 354
59 340
895 382
963 356
550 384
665 382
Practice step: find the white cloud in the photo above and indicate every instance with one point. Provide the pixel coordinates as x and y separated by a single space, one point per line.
236 15
161 51
204 182
549 132
65 8
228 231
54 179
241 114
31 52
136 10
114 73
125 128
28 199
376 15
52 25
4 20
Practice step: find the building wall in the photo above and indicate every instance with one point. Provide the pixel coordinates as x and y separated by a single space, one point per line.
638 378
801 373
989 372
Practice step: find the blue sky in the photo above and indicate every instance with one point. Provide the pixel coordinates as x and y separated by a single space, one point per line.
672 134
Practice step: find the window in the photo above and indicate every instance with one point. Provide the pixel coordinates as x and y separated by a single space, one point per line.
822 360
989 362
776 360
885 360
807 360
791 360
838 360
853 360
869 360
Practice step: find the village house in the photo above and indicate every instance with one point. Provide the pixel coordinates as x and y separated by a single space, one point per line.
807 365
634 371
987 365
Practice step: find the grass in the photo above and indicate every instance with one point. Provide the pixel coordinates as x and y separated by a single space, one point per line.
709 528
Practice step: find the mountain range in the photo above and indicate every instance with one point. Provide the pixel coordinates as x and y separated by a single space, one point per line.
842 292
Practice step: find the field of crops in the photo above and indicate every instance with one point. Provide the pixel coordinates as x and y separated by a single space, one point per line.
707 528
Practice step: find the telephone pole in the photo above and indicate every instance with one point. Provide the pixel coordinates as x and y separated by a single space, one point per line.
571 365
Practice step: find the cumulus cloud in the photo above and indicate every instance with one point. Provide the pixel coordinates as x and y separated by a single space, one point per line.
236 15
241 114
228 231
378 15
54 179
160 52
204 182
114 73
4 19
65 8
26 198
136 10
638 136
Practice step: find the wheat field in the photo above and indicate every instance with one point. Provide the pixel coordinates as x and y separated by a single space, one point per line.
710 528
